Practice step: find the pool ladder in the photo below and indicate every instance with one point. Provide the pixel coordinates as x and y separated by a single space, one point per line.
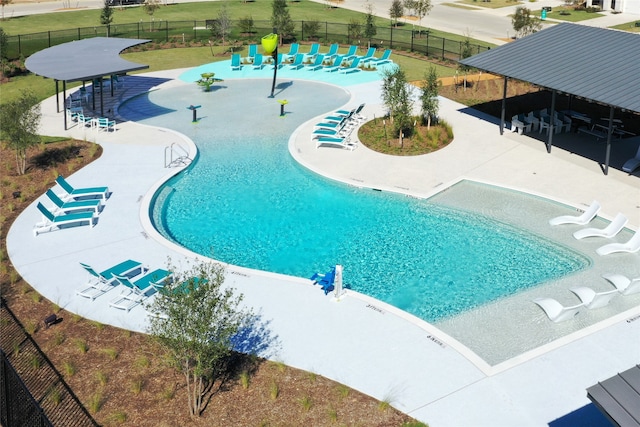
176 155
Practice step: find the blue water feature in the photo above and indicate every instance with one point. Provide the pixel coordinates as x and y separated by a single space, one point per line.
246 202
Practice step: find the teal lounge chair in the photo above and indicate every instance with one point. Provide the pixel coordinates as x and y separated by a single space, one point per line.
336 142
257 62
103 123
82 192
384 59
352 68
336 64
253 51
82 205
235 62
50 221
369 55
137 291
351 53
317 64
315 50
297 62
279 62
293 51
99 283
333 51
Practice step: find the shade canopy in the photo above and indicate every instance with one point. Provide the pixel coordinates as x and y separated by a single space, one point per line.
618 397
598 64
85 59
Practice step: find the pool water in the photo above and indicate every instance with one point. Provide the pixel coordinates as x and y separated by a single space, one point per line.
246 202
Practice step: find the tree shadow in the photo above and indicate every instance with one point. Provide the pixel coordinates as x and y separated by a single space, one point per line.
51 157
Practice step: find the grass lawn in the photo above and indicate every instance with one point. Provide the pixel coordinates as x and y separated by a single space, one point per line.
629 26
492 4
568 14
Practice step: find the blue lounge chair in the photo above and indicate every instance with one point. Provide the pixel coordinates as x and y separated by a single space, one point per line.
331 125
317 63
336 64
313 52
49 220
235 62
349 112
253 51
369 55
352 68
384 59
279 62
137 291
82 192
257 62
82 205
100 283
342 142
333 51
351 53
293 51
297 62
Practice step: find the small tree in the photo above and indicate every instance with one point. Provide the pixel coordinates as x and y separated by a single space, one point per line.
195 319
3 3
19 121
422 8
150 7
310 28
397 98
523 23
370 29
354 30
396 11
281 20
106 16
410 6
466 50
4 44
429 96
246 24
222 25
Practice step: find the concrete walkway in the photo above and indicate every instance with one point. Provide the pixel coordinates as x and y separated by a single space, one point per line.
360 342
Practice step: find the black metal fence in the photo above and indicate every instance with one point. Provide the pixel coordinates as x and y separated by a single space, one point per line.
199 31
32 391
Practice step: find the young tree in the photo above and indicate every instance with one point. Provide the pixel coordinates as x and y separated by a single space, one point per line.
150 7
410 5
281 20
4 44
19 121
195 319
422 9
310 29
429 96
246 24
397 98
222 25
396 11
523 23
370 29
354 30
106 16
466 50
3 3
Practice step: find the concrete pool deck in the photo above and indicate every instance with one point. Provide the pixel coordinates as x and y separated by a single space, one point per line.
357 341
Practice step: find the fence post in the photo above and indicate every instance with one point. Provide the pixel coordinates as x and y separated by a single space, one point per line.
19 46
443 40
326 32
391 36
302 30
412 34
427 48
166 31
195 32
78 33
49 38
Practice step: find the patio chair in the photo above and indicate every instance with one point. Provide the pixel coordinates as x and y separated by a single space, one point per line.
313 52
632 246
279 62
609 231
137 291
84 120
352 68
633 163
297 62
293 51
75 193
592 299
623 284
317 63
252 52
582 219
351 53
519 125
100 283
333 51
51 220
337 62
336 142
235 62
73 205
557 312
258 62
369 55
384 59
103 123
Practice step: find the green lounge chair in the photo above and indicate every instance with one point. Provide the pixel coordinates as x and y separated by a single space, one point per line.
136 292
100 283
70 206
82 192
50 220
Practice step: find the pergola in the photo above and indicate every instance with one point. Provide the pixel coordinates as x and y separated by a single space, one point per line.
596 64
84 60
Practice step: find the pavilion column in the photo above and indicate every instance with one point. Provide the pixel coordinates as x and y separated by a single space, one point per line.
609 133
64 102
504 105
57 97
551 120
101 98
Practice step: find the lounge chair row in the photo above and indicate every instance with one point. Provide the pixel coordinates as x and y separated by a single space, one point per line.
541 120
589 298
135 282
75 206
336 128
610 231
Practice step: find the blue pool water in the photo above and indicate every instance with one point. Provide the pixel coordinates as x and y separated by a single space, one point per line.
246 202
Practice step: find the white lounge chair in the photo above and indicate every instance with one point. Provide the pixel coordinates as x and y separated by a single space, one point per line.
51 221
608 232
583 219
76 193
336 142
623 284
136 292
100 283
556 311
632 246
633 163
592 299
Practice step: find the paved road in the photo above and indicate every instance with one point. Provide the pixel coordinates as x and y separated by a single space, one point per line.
490 25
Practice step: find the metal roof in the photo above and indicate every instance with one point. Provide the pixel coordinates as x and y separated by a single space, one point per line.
599 64
84 59
619 397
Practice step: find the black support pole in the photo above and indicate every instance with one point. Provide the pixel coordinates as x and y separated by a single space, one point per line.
609 133
504 105
274 54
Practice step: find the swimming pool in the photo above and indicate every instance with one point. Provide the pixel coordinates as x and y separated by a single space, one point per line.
254 206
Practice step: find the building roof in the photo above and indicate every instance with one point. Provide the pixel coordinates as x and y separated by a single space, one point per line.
592 63
84 59
619 397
